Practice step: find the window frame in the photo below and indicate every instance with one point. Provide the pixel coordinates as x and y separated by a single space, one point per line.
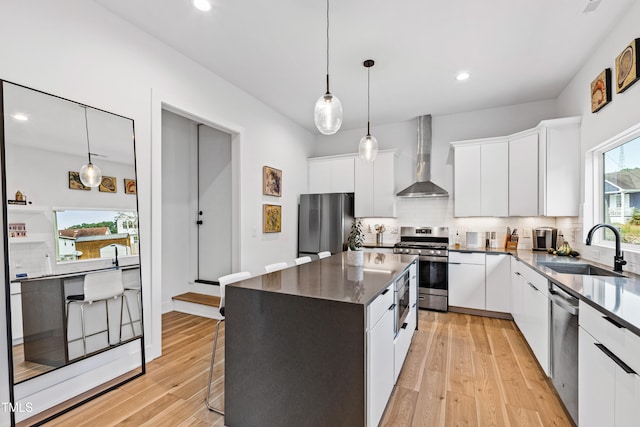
594 186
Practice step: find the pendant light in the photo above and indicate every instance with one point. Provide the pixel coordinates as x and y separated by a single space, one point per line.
368 148
90 174
328 110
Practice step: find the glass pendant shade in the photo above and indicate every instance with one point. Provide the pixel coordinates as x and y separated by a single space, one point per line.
368 148
90 175
328 114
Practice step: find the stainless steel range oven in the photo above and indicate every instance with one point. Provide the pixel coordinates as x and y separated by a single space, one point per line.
431 245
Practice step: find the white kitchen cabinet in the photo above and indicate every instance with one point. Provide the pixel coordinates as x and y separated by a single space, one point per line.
517 304
467 280
481 181
560 167
16 314
466 180
494 180
523 174
380 361
609 386
498 282
374 186
331 174
530 309
596 384
535 172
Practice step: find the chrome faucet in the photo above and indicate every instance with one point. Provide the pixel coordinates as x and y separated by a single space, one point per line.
618 259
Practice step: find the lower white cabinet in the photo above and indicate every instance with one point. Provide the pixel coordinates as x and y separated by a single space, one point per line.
16 314
380 367
498 282
467 280
530 309
608 388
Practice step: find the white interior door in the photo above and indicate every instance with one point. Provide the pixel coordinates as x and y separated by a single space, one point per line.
213 215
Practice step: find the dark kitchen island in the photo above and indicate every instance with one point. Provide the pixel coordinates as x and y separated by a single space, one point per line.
296 342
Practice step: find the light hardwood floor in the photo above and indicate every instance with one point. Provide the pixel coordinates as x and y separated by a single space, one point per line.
461 371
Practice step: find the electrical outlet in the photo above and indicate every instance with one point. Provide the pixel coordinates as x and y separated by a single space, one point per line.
526 233
394 230
595 254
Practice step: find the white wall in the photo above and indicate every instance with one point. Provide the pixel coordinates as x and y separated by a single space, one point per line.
614 118
76 49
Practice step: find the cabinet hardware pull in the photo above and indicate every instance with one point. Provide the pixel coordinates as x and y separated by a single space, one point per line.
454 263
421 298
385 291
518 274
404 325
531 284
392 306
615 358
610 320
414 304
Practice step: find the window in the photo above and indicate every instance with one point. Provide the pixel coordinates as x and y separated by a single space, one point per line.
86 234
620 194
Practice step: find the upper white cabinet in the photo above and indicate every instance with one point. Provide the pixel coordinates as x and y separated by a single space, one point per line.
523 175
560 167
532 173
375 186
331 174
481 177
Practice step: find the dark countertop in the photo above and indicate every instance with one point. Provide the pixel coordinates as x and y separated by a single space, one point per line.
67 275
617 297
332 279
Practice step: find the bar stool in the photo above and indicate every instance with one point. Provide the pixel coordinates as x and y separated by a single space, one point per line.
270 268
102 286
138 292
224 281
324 254
302 260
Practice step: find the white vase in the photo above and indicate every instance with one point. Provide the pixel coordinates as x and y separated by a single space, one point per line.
355 258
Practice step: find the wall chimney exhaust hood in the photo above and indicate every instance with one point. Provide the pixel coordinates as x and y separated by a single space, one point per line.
423 187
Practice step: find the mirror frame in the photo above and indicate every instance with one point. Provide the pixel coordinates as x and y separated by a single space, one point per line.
70 404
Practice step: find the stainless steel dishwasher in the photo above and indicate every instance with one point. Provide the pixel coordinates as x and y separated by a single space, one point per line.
564 347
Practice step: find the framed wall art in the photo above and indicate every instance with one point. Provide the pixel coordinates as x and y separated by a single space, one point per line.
601 90
627 70
130 186
271 218
75 183
271 181
108 185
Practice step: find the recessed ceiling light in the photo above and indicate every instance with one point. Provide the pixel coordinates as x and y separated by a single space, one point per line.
203 5
462 76
20 116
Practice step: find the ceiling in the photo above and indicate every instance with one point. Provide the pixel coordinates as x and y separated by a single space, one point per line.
58 125
515 50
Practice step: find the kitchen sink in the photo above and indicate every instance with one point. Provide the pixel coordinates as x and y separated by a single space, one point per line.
579 268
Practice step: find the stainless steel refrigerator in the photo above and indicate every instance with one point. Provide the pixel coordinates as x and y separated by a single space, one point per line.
324 222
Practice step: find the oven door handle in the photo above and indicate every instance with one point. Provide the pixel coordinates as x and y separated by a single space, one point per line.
435 259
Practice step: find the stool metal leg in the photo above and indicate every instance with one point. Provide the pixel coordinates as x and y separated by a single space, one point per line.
84 335
213 355
126 301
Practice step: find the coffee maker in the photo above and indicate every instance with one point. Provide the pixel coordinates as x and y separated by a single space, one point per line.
544 238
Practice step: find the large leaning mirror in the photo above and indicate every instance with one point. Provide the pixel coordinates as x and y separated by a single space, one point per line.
72 265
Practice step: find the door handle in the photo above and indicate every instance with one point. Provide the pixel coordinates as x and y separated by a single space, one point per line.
615 358
613 322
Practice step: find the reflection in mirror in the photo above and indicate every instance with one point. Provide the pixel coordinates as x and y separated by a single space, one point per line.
53 250
88 234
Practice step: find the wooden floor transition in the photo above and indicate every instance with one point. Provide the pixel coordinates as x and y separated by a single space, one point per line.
210 300
461 370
